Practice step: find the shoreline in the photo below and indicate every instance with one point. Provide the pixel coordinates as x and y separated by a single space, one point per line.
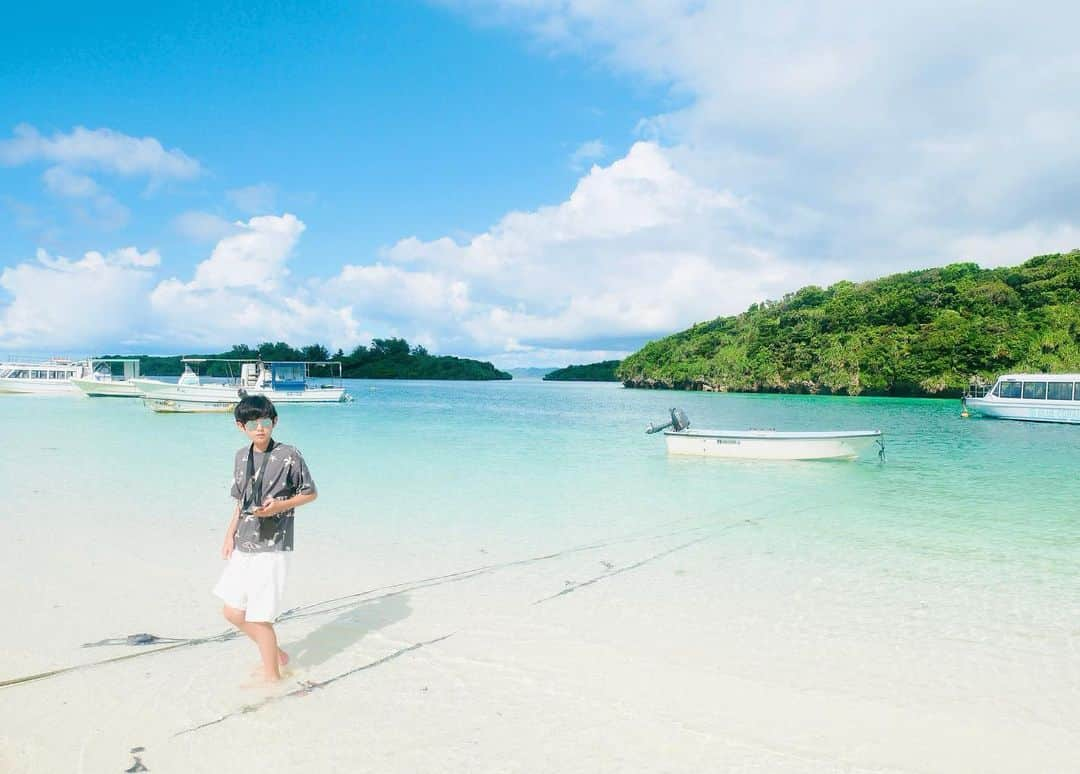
702 386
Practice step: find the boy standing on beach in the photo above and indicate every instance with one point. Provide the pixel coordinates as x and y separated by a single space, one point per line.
270 480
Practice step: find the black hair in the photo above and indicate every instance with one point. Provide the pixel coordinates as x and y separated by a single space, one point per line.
254 407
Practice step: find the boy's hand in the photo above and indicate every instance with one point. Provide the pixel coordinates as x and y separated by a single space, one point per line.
227 547
270 507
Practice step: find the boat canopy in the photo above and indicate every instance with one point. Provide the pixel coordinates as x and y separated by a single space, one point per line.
288 376
276 374
130 365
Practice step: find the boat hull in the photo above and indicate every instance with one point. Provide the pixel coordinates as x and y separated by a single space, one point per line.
102 389
170 406
1067 412
217 395
771 445
38 387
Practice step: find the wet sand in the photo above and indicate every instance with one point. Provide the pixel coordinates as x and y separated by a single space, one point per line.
665 650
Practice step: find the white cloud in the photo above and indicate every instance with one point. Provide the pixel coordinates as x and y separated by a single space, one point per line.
632 196
253 199
203 226
1002 248
586 153
98 300
102 149
873 134
62 181
390 293
130 256
113 300
254 256
241 294
638 249
93 205
219 317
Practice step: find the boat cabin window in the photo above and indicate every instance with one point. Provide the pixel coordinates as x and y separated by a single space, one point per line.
288 373
20 373
1035 390
1009 389
1059 391
1076 390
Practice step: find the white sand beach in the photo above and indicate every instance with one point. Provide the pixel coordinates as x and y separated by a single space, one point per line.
698 659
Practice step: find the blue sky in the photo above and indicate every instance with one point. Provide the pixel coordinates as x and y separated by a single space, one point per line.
530 181
376 120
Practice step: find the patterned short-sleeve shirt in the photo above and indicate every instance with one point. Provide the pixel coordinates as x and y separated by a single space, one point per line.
286 474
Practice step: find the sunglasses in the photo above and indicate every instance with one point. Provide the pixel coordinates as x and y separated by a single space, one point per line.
254 424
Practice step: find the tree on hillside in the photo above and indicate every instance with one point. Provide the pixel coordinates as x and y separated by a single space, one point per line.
315 352
923 332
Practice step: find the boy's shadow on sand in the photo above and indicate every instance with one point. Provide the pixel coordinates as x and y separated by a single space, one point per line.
341 633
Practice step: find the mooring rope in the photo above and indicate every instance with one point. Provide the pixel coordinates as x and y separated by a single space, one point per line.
352 600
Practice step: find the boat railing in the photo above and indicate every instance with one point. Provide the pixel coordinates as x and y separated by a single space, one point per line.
978 388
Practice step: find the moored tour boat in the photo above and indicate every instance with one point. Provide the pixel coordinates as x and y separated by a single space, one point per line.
766 444
49 377
280 381
99 381
1029 398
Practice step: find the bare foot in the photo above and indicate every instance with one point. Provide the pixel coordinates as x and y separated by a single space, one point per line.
282 657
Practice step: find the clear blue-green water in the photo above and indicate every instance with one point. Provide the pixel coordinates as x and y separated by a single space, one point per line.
530 455
974 510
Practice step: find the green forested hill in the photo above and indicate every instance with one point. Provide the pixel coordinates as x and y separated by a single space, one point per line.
384 359
920 333
593 372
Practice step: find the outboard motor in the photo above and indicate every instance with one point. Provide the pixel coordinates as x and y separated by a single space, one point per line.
678 423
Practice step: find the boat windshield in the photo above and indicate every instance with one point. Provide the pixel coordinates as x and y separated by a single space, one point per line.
287 376
189 377
1008 389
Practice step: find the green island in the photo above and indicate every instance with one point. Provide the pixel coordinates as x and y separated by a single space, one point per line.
920 333
593 372
391 358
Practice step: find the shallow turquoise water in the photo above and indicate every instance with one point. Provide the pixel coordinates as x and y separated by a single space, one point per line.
977 509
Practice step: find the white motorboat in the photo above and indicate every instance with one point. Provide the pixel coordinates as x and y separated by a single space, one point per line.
280 381
49 377
766 444
101 382
1029 398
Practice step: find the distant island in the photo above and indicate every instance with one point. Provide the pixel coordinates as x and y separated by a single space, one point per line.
922 333
391 358
530 373
593 372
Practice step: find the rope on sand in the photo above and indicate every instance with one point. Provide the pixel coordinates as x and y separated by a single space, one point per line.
308 686
352 600
313 609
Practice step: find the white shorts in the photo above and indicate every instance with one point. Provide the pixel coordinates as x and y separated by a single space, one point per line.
255 583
